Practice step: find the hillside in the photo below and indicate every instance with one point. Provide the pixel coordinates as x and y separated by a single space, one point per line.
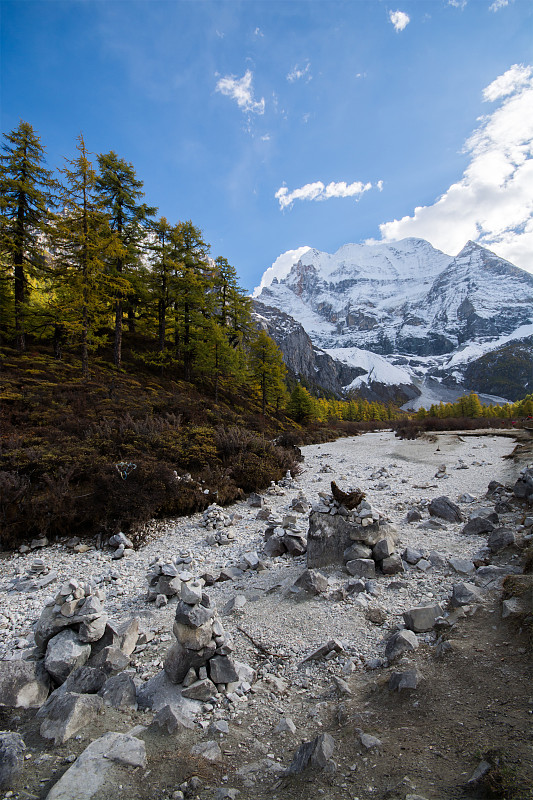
105 454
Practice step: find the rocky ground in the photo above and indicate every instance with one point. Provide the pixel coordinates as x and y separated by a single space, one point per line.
472 703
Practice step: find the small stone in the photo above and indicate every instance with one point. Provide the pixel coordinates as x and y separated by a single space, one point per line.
370 742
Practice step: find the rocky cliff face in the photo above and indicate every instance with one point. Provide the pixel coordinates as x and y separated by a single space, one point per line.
408 302
302 358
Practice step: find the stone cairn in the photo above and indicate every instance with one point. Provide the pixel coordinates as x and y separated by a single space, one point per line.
215 519
200 659
283 535
345 528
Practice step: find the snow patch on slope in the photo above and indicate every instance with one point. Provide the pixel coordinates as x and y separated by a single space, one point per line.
377 368
475 350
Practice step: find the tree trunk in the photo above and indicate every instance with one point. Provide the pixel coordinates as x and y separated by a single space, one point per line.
58 342
161 324
20 338
117 352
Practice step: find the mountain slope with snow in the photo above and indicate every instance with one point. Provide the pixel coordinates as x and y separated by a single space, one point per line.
424 312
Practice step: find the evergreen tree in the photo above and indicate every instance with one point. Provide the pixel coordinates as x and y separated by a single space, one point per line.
161 275
300 406
193 290
268 369
82 242
120 192
25 192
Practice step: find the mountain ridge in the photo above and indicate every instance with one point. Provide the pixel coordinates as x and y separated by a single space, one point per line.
407 302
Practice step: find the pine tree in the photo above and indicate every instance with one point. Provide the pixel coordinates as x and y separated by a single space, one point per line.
193 290
25 190
82 243
300 406
268 369
162 270
120 192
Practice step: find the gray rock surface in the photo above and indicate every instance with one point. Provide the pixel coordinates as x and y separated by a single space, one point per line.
100 768
23 684
313 754
68 713
12 750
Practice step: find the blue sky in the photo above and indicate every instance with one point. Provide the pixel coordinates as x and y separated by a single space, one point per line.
278 124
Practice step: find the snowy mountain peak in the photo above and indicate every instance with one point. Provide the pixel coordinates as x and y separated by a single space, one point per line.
402 300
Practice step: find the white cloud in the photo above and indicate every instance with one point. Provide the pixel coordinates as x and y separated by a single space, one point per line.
319 191
259 32
280 268
241 91
399 19
457 3
498 4
493 201
297 73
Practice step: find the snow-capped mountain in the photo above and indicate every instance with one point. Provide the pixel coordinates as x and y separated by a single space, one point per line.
405 311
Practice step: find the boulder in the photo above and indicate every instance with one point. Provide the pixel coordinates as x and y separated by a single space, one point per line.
523 488
191 592
357 550
111 660
203 690
362 567
399 643
23 684
462 565
464 594
392 565
84 680
383 549
327 538
119 691
477 525
67 714
123 635
102 766
422 618
313 754
159 692
444 508
193 616
12 749
500 538
64 653
193 638
172 719
222 670
409 679
178 662
312 581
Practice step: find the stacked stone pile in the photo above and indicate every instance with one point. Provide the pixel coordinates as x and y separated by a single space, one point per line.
215 519
79 651
123 546
37 577
200 659
358 537
284 536
166 577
